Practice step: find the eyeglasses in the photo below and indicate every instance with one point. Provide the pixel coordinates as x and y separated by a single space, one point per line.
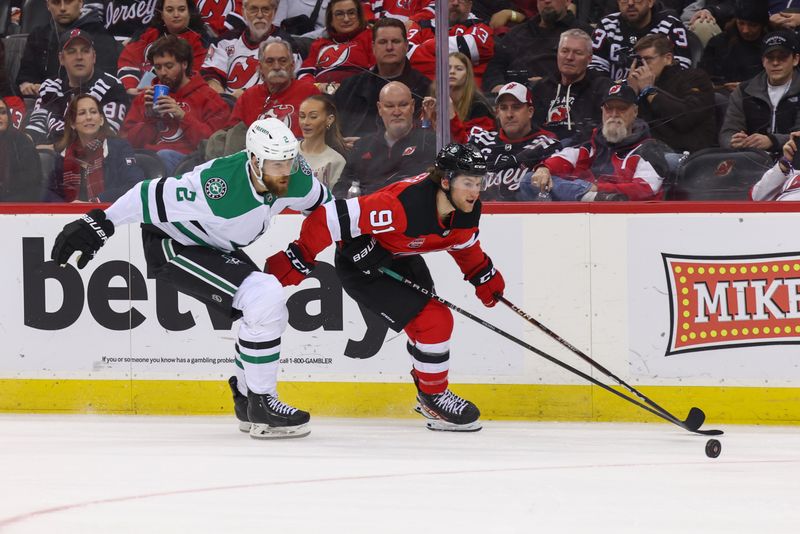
650 59
254 11
350 13
637 2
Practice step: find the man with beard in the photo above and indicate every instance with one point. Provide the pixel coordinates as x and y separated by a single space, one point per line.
619 159
763 110
279 94
567 103
389 155
175 124
616 34
468 35
232 64
194 228
356 96
46 123
528 51
41 57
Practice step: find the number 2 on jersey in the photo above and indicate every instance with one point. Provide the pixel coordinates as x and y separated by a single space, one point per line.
381 221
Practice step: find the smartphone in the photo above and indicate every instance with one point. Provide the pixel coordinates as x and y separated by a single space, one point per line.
796 159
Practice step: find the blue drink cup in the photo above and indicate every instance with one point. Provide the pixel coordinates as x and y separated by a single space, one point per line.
159 90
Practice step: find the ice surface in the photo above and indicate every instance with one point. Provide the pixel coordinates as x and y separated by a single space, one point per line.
116 474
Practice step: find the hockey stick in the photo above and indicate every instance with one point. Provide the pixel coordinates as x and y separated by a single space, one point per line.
434 296
692 422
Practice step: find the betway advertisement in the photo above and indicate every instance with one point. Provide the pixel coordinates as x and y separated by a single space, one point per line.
110 321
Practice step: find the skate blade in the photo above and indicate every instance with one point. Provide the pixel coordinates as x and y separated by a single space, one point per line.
244 426
439 425
262 431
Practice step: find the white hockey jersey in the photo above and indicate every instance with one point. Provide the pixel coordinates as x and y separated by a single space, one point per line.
775 186
215 205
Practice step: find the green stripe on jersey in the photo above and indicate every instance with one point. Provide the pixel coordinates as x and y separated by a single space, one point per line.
203 274
259 359
144 192
188 233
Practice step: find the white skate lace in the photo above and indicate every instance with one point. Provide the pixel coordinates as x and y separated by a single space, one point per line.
279 407
450 402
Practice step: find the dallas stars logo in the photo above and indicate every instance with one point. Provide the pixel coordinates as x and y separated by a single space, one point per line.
216 188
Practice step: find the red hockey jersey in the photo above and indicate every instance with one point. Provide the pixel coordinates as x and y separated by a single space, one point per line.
214 12
205 110
132 63
472 38
404 9
403 218
336 58
258 103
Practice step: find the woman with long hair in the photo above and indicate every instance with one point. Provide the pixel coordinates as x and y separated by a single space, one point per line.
322 145
172 17
344 50
466 101
91 165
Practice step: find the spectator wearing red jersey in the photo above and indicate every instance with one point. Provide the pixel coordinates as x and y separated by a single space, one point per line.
468 35
221 16
279 94
345 50
173 17
175 124
405 10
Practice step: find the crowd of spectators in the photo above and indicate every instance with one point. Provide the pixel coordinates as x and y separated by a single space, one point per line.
569 100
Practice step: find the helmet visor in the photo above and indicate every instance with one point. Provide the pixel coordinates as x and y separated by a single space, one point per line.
467 182
273 167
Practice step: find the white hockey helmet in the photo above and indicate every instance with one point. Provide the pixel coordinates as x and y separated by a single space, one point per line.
270 140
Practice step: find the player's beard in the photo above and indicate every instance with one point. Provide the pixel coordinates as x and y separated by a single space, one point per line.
614 130
277 185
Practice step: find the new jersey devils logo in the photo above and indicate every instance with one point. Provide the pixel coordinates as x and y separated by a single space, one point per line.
243 72
724 168
282 112
557 114
333 56
171 131
212 9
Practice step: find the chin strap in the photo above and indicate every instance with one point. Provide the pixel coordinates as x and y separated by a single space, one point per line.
447 192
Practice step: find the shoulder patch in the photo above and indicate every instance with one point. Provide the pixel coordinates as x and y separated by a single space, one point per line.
304 166
215 188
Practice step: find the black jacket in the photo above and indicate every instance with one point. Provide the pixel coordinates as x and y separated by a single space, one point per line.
22 180
572 118
527 50
40 57
357 96
729 58
681 113
374 164
120 172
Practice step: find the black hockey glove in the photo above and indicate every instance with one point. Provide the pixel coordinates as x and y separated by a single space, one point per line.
367 254
85 235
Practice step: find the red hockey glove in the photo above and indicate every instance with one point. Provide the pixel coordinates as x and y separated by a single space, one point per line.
289 267
488 282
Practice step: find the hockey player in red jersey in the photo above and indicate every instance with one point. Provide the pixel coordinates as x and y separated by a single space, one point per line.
438 210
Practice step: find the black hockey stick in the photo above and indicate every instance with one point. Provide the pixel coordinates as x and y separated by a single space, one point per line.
544 355
692 422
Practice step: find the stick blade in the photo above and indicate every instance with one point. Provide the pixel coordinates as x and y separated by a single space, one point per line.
695 419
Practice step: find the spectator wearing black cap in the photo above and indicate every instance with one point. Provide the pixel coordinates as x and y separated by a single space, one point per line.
678 104
735 55
41 57
78 57
620 159
764 109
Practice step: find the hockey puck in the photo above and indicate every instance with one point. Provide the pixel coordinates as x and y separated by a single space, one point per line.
713 448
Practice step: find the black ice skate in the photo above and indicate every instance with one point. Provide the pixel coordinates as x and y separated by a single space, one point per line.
239 405
447 411
272 419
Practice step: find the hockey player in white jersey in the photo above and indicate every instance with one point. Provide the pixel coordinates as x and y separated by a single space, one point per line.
194 227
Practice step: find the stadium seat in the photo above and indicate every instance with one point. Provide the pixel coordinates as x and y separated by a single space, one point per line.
151 164
47 158
15 45
192 160
34 14
719 174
